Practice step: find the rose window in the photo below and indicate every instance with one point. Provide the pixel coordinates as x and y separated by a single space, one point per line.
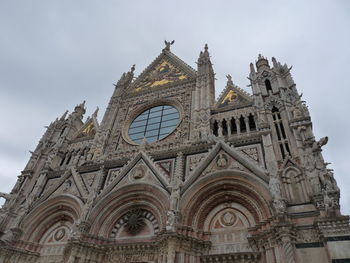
154 124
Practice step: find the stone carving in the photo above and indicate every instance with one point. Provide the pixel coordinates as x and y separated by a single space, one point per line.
135 222
252 153
113 174
228 218
168 44
276 193
59 234
193 161
66 186
171 219
314 163
139 172
222 161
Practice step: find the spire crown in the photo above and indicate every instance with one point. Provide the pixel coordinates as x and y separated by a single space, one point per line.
262 62
204 56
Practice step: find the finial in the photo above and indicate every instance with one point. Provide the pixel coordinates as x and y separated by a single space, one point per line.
63 117
252 70
133 68
95 112
206 47
274 62
168 44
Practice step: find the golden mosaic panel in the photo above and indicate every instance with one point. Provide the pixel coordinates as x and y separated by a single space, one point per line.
164 73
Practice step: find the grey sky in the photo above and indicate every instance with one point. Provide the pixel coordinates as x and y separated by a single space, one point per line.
55 54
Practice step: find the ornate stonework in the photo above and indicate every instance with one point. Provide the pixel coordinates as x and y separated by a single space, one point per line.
237 179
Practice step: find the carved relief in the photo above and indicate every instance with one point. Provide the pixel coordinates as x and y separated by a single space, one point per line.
228 224
138 222
167 167
192 162
112 174
139 172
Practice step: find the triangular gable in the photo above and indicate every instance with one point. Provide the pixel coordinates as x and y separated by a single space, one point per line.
89 129
70 183
241 162
131 166
232 95
167 69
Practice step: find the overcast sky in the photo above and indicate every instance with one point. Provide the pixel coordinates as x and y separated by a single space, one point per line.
55 54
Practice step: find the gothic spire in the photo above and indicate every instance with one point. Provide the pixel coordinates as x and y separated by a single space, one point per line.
204 64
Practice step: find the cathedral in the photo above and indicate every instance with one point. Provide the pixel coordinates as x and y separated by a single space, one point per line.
172 174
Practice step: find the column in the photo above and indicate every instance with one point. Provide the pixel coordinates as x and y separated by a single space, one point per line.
238 125
246 120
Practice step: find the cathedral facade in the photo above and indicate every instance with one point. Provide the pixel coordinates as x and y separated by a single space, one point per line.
173 175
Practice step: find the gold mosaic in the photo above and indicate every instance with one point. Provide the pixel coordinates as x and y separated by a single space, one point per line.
163 74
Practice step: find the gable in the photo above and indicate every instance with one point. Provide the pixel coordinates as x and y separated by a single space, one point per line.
70 183
166 70
139 173
141 169
87 131
233 96
224 157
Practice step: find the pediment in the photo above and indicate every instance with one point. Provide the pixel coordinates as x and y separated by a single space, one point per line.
70 183
166 70
224 157
232 95
87 131
141 169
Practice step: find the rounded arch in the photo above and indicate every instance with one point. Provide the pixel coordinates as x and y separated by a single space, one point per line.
62 208
222 187
116 204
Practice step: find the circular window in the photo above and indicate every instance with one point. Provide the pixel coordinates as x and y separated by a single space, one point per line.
154 124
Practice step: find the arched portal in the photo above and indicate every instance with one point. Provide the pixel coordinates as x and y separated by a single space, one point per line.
133 211
223 206
50 225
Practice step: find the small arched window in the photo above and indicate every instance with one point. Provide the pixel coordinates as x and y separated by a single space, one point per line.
242 124
252 125
268 85
215 128
281 134
224 128
233 126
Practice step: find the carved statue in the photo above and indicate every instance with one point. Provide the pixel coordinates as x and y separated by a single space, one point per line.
175 198
327 180
229 80
275 187
276 193
222 161
314 164
66 185
139 172
170 223
168 44
297 113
